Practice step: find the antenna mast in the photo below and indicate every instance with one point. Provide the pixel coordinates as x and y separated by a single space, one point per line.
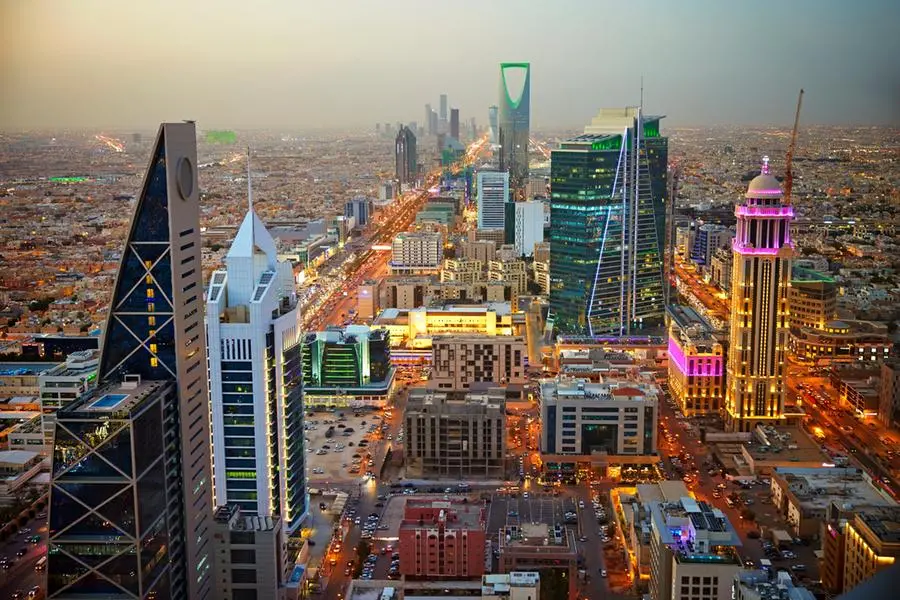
788 168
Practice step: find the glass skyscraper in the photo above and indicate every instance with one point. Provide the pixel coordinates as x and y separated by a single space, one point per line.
607 232
514 123
405 157
130 496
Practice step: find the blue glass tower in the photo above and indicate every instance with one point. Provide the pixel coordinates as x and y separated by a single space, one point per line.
130 497
607 230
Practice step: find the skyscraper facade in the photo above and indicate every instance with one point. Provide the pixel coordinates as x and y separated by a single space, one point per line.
492 195
760 282
255 378
405 156
428 112
454 123
131 494
493 123
608 213
514 122
443 113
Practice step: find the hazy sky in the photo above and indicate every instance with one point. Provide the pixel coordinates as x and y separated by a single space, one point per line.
328 63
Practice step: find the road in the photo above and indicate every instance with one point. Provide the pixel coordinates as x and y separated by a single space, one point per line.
22 576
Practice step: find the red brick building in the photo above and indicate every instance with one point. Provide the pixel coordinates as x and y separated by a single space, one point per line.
442 539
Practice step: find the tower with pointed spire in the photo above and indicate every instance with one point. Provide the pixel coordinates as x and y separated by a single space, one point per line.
762 253
255 378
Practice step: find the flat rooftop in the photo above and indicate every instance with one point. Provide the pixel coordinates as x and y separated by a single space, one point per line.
818 488
885 523
459 515
12 369
662 491
115 397
783 444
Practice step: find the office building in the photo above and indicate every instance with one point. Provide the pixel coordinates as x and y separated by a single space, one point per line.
493 124
386 192
463 360
65 383
443 107
140 489
456 437
597 424
251 553
416 253
347 367
696 363
546 546
481 250
405 158
514 121
524 225
720 268
889 394
462 271
842 342
607 207
518 585
492 196
255 380
803 495
709 237
872 543
417 326
693 551
368 300
433 124
454 123
359 208
442 540
541 274
812 299
763 585
428 123
763 250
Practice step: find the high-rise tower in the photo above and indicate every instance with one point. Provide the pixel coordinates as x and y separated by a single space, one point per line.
759 330
443 107
514 121
255 378
130 499
405 156
493 193
493 123
607 213
454 123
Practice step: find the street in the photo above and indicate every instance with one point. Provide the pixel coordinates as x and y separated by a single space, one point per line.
21 576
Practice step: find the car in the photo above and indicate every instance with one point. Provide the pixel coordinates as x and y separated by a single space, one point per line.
798 568
602 572
21 552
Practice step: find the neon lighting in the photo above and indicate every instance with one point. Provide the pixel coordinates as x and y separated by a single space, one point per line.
755 193
764 211
514 104
765 165
714 369
746 250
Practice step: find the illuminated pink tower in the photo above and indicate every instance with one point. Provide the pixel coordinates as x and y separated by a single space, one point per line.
762 256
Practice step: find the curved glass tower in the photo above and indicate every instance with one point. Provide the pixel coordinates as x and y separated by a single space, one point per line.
514 121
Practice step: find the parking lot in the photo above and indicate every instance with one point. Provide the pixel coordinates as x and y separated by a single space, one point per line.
340 457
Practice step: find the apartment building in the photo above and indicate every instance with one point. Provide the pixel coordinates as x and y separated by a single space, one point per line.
460 361
696 363
416 253
442 540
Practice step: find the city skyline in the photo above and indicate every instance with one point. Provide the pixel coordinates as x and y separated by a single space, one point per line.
98 57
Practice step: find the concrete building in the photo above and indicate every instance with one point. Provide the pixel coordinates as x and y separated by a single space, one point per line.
481 250
524 225
518 585
152 400
763 251
696 363
250 556
405 158
872 544
708 239
597 423
348 367
693 551
454 123
453 436
812 299
417 326
540 546
889 394
842 341
360 209
442 540
255 379
416 253
857 388
720 268
492 188
463 271
18 468
368 300
541 273
511 272
65 383
803 495
462 360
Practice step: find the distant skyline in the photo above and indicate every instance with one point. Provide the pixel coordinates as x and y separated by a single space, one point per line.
344 64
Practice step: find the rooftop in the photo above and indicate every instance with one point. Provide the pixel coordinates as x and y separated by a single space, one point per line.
695 531
783 445
12 369
116 397
758 585
819 487
454 513
570 389
662 491
17 457
884 523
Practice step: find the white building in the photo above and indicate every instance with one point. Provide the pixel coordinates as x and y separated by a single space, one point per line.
517 585
693 551
492 195
529 226
255 380
417 253
581 418
65 383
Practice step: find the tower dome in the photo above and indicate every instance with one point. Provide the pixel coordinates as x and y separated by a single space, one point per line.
764 185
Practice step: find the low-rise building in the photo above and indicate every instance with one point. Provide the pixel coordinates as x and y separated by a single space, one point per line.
889 394
442 540
518 585
764 585
812 299
250 555
512 272
18 469
696 363
461 360
540 547
858 387
804 495
456 436
693 551
29 436
597 424
65 383
771 447
842 341
417 326
463 271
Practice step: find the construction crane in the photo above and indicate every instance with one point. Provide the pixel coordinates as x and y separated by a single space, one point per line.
788 172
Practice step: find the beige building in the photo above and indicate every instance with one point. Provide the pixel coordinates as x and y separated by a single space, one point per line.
872 543
889 393
542 252
481 250
518 585
417 326
542 275
462 271
455 437
416 253
696 363
512 272
720 266
812 299
459 361
250 555
367 300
